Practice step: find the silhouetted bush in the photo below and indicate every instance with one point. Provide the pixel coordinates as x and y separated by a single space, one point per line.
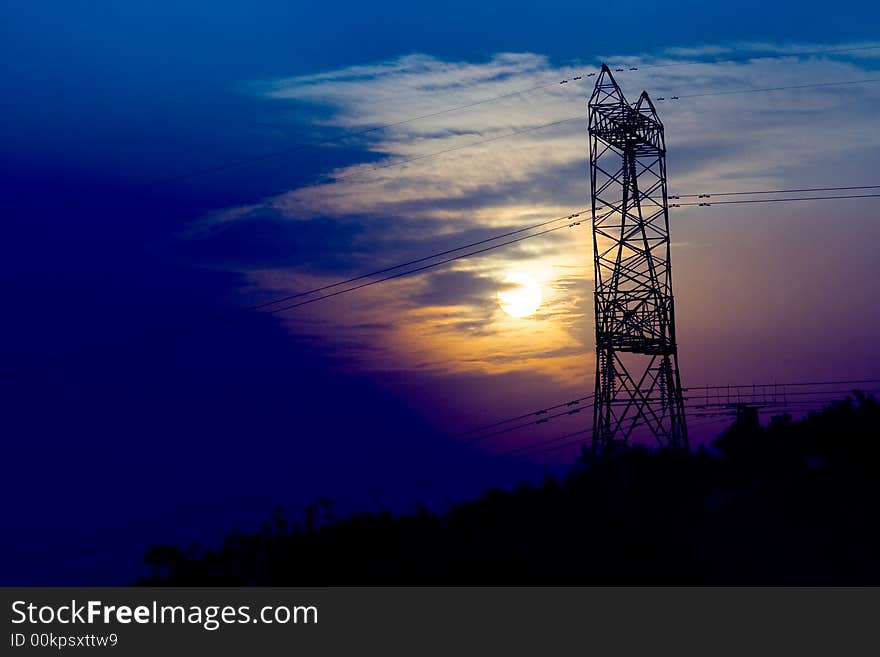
796 502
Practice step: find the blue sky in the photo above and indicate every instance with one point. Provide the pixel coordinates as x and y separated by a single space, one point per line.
107 80
142 404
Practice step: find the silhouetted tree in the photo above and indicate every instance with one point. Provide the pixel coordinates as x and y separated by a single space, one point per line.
795 502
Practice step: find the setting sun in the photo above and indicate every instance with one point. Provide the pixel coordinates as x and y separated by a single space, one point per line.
521 295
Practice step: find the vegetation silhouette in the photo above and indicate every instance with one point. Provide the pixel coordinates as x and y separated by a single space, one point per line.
794 502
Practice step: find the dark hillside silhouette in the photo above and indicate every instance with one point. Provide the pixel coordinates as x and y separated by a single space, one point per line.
795 502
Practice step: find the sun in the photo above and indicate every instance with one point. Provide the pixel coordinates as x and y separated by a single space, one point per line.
521 295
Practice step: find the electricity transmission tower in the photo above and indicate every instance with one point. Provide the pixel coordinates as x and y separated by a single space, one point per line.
637 380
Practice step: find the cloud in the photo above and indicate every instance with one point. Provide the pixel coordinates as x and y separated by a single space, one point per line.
454 288
434 183
532 167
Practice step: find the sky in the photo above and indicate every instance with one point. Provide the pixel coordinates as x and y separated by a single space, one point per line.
144 402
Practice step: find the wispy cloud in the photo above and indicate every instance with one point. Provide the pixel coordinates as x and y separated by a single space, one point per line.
449 320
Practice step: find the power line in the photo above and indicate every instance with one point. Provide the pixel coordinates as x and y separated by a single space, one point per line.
496 246
561 442
764 394
541 126
775 191
422 268
741 58
576 118
577 437
838 382
542 420
584 433
418 260
556 443
781 88
800 406
540 411
774 200
538 447
722 408
753 390
532 227
270 155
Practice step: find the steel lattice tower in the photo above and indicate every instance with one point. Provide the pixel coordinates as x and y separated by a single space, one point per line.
637 379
